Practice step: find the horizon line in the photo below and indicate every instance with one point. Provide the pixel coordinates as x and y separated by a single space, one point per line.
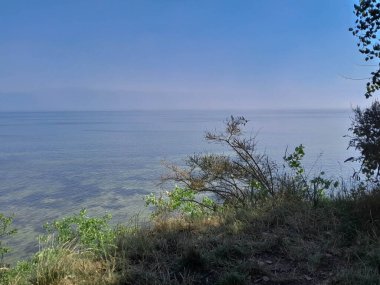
183 109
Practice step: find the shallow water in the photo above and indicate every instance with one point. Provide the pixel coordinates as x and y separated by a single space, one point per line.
55 163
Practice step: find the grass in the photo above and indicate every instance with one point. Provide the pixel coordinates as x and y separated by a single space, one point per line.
282 241
61 265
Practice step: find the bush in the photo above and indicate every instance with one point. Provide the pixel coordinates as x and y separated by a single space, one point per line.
241 178
310 189
181 200
90 232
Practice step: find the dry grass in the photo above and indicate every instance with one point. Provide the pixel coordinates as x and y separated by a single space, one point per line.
280 242
64 266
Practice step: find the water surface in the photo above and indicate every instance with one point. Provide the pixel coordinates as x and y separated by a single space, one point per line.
55 163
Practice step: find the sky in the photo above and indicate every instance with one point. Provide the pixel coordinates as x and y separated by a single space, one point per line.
178 54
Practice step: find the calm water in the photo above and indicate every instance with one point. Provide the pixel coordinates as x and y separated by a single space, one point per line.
55 163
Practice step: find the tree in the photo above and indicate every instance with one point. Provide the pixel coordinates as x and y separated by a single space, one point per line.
367 27
366 123
366 138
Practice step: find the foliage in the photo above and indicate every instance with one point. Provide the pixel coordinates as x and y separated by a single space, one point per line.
366 124
92 233
182 200
294 159
19 272
366 138
313 189
6 230
75 251
366 29
240 178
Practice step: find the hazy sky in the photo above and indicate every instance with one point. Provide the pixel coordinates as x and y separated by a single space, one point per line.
178 54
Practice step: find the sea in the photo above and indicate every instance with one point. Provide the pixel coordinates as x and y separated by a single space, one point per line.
53 164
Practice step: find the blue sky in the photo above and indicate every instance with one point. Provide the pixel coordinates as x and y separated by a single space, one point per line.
178 54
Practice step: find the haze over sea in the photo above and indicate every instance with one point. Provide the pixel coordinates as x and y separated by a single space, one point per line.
53 164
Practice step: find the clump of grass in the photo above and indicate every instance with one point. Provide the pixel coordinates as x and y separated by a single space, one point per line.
232 278
68 266
62 266
77 250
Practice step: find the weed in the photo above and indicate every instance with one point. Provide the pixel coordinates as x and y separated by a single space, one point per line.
181 200
6 230
90 232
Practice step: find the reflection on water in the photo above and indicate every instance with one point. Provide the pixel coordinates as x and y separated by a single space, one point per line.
55 163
